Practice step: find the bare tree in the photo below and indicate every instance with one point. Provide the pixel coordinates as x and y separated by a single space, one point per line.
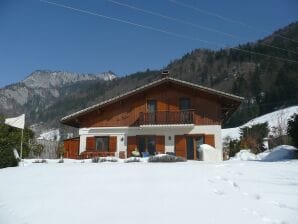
279 132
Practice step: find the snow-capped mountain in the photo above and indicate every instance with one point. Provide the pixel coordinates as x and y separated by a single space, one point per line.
50 79
43 88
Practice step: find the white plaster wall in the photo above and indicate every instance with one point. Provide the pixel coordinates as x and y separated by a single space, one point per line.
168 131
82 143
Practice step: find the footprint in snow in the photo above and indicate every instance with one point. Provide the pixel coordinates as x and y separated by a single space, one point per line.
245 193
257 197
281 205
218 192
210 181
224 179
234 184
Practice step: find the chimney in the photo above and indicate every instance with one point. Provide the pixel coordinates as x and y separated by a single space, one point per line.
165 73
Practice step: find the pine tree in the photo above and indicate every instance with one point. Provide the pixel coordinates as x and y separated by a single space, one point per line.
293 129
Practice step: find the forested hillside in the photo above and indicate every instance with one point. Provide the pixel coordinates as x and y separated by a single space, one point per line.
267 83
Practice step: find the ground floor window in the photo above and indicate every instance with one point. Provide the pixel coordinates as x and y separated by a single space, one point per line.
102 143
147 144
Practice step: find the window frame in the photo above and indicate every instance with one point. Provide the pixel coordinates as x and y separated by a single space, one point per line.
146 139
107 142
180 103
155 103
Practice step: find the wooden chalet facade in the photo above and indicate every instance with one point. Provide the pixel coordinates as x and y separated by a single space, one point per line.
165 116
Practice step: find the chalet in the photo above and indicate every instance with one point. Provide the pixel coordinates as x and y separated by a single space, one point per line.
164 116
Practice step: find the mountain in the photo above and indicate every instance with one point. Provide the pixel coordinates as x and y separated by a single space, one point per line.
48 79
42 89
267 83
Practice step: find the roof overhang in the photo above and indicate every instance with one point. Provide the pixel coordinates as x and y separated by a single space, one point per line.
231 101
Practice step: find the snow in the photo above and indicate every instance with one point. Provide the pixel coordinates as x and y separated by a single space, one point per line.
244 154
206 147
73 192
279 153
274 119
52 135
209 153
282 152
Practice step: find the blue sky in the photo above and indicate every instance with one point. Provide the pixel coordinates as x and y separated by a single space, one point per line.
37 35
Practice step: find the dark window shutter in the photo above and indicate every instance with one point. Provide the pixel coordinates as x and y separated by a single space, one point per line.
113 143
209 139
160 144
180 145
131 144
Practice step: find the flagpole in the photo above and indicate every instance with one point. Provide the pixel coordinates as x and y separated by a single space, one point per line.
22 144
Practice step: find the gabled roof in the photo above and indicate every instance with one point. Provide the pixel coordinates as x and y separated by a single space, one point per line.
236 99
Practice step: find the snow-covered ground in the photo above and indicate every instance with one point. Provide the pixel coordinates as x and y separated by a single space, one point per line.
274 119
279 153
246 192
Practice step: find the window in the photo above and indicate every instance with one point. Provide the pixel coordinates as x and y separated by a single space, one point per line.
102 144
151 109
146 143
151 106
184 104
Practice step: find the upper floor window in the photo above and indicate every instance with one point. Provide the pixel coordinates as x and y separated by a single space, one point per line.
151 106
184 104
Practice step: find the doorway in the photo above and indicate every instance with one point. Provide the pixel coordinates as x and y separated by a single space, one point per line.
193 143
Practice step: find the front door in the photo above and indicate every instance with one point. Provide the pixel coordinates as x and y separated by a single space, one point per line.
199 140
193 144
190 152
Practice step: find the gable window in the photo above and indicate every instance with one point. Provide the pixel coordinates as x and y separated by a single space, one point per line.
184 104
102 143
151 109
151 106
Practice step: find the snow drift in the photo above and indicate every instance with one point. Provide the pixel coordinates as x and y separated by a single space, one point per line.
279 153
209 153
282 152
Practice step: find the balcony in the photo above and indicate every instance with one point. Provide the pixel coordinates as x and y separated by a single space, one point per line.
167 117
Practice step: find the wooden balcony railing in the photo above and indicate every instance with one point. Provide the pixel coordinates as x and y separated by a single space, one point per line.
167 117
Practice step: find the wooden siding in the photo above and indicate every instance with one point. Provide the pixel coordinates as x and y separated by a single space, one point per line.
180 145
160 144
90 143
113 144
72 147
209 139
131 144
127 112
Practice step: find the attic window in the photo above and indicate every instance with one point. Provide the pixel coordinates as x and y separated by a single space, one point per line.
184 104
